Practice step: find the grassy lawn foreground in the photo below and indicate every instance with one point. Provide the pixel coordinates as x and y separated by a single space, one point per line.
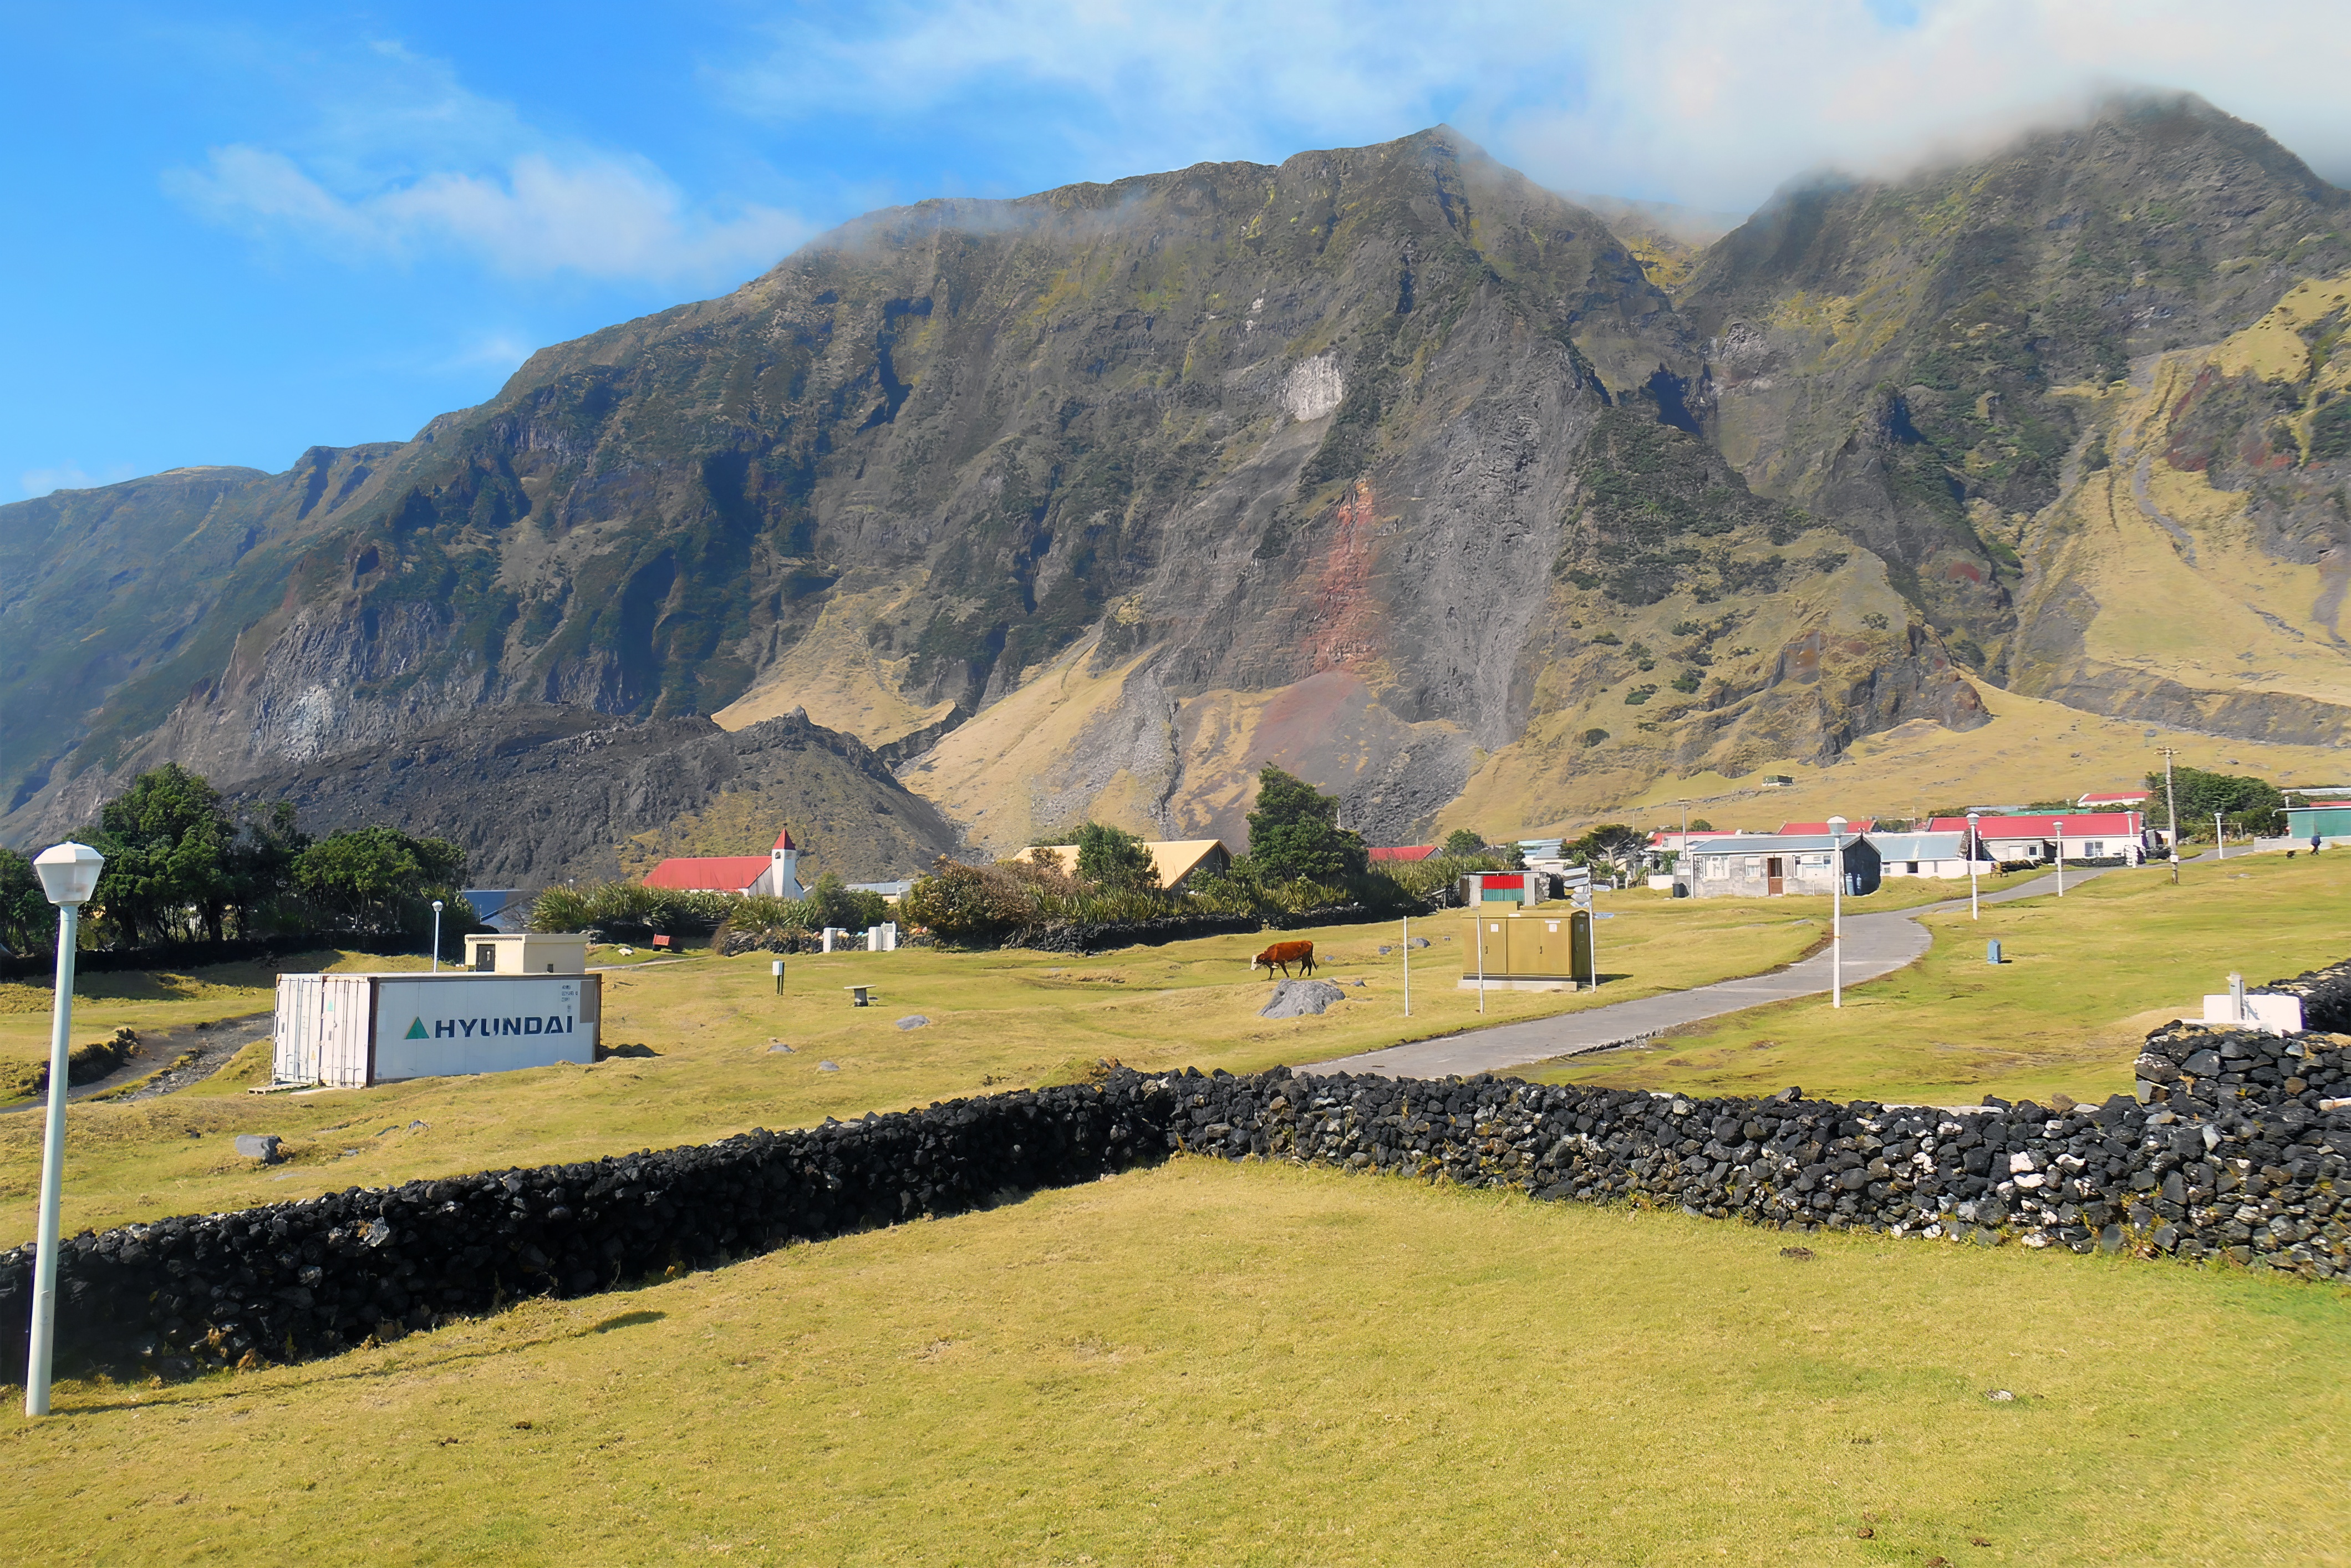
998 1020
2084 979
1266 1364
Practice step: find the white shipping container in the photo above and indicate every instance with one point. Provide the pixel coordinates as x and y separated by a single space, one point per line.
351 1031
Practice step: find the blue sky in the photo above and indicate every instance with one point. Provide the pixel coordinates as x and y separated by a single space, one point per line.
240 231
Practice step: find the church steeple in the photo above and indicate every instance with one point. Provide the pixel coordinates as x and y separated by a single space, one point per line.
783 868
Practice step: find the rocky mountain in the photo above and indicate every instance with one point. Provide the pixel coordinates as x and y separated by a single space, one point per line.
1384 465
1919 361
537 794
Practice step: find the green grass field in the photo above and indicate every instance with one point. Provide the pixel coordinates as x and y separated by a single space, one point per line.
1251 1364
2084 978
998 1020
1256 1364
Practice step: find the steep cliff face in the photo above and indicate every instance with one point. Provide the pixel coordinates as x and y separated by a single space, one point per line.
125 595
1382 464
1899 358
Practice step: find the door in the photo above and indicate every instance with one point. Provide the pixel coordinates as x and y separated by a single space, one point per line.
1775 874
1489 941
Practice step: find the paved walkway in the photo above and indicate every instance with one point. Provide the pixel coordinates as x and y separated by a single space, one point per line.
1875 945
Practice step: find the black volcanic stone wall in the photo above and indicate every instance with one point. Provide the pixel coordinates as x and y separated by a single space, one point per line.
295 1280
2235 1154
2233 1148
2325 997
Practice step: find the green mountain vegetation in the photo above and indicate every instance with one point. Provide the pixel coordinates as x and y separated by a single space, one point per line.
1384 467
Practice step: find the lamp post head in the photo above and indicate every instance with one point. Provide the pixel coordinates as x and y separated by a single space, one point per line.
1836 827
68 872
436 906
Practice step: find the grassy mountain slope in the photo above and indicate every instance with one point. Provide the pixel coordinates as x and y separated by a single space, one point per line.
1892 355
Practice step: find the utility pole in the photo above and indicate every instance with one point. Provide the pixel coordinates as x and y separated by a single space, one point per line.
2220 839
2171 801
1836 917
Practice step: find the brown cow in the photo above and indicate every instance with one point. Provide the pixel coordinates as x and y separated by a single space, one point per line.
1285 954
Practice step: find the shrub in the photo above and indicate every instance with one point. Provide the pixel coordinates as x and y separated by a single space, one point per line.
632 910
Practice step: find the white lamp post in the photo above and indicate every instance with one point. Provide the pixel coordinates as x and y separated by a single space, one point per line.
1836 917
2061 857
2219 838
436 935
68 875
1973 821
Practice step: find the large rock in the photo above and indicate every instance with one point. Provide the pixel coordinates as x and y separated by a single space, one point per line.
1296 999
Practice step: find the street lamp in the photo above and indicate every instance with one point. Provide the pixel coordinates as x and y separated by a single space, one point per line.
436 935
1836 917
2220 839
1974 839
68 875
2061 857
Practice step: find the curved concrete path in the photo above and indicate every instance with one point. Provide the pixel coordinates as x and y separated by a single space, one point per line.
1875 945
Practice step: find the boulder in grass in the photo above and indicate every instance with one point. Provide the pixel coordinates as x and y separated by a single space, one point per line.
1296 999
913 1020
262 1146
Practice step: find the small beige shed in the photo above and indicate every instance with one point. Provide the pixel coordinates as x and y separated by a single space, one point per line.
528 953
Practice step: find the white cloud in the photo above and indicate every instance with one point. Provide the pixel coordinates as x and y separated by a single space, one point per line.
1711 102
69 476
407 162
597 217
503 352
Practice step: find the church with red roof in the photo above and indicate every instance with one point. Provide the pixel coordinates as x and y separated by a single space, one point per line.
776 874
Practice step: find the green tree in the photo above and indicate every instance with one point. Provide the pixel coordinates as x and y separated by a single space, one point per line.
260 865
28 921
1113 857
2254 804
1612 848
166 842
1295 834
380 880
832 902
1462 841
1700 825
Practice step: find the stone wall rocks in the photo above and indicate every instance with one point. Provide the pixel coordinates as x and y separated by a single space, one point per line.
296 1280
2235 1151
2325 995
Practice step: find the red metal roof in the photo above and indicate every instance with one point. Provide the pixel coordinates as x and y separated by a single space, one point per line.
731 873
784 840
1820 830
2078 825
1407 852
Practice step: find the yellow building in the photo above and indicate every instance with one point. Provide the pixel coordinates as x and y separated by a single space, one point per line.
1175 859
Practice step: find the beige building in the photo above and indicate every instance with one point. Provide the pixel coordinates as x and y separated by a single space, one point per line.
528 953
1176 860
